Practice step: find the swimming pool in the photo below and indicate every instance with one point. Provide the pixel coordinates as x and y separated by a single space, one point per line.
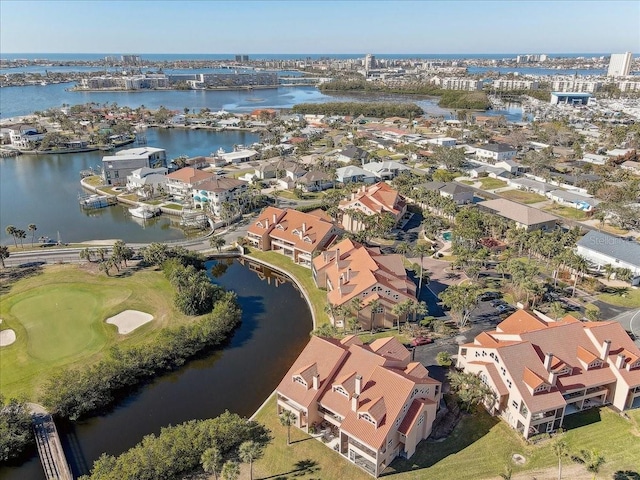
446 236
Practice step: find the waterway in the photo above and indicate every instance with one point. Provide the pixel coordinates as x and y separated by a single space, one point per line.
276 322
43 189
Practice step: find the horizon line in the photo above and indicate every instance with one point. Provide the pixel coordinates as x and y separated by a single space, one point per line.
311 53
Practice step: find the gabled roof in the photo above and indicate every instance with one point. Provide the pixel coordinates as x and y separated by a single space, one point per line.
190 175
221 184
522 214
496 147
377 198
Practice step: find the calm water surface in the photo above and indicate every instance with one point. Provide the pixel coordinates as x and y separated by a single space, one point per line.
275 328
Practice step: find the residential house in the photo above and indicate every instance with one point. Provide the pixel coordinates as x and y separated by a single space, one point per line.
541 188
525 217
353 174
352 153
631 166
24 136
586 203
385 170
181 183
315 181
116 168
350 270
371 200
238 156
294 234
442 141
460 194
147 178
541 371
370 403
495 152
603 249
217 193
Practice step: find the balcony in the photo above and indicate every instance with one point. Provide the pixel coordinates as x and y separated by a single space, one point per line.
364 449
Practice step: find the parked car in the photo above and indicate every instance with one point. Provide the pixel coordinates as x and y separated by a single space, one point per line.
504 308
498 302
489 296
420 341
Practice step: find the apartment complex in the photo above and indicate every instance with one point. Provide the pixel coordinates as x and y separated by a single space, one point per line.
514 84
294 234
369 403
371 200
457 83
351 271
619 65
541 371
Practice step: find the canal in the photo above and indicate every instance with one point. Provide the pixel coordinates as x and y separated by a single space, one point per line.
43 190
276 322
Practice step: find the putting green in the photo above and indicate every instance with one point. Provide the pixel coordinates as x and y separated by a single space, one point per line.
59 322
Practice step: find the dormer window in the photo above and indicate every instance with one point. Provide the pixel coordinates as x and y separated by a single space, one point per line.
300 380
368 418
341 390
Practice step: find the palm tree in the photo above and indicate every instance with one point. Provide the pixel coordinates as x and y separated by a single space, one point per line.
561 450
374 305
211 461
591 459
32 228
421 250
4 253
557 310
402 248
230 470
21 234
287 418
11 230
580 265
248 452
217 242
356 305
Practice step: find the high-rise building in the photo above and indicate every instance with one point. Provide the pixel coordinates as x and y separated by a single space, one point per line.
369 61
619 65
131 59
242 58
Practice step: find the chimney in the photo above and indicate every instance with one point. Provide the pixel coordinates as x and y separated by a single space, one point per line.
275 218
354 402
337 257
304 228
316 381
341 279
358 384
552 378
547 361
620 360
348 274
266 223
606 345
353 196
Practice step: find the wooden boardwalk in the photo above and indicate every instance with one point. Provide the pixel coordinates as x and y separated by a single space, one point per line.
50 449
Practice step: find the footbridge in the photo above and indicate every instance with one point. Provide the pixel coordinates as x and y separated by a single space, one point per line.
48 443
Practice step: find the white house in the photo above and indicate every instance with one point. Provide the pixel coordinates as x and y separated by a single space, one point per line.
495 152
116 168
217 191
352 174
155 177
385 170
602 249
443 141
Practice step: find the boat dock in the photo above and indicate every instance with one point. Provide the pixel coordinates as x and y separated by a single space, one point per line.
92 201
49 447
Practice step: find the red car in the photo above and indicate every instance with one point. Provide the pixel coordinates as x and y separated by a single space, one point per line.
420 341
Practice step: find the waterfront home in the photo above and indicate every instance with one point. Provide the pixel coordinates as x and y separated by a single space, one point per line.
214 193
495 152
386 170
180 184
353 174
350 270
294 234
238 156
145 178
528 218
602 249
116 168
24 136
370 403
371 200
541 371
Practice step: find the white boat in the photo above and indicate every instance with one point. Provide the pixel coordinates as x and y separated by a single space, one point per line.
142 212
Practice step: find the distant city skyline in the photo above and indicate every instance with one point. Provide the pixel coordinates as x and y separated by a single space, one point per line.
380 27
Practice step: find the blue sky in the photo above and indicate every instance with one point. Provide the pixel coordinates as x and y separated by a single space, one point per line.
307 26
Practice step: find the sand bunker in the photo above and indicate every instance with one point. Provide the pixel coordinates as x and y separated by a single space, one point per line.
129 320
7 337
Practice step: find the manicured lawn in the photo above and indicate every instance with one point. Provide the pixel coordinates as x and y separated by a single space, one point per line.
467 182
567 212
522 196
59 319
94 181
614 230
623 297
317 296
489 183
480 447
173 206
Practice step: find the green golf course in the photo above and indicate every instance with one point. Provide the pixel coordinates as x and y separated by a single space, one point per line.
59 316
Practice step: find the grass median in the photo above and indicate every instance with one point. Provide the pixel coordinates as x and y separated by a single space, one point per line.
59 319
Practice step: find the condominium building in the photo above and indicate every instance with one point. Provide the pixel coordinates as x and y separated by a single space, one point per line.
577 85
215 193
541 371
460 83
619 65
514 84
371 200
370 403
351 271
294 234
